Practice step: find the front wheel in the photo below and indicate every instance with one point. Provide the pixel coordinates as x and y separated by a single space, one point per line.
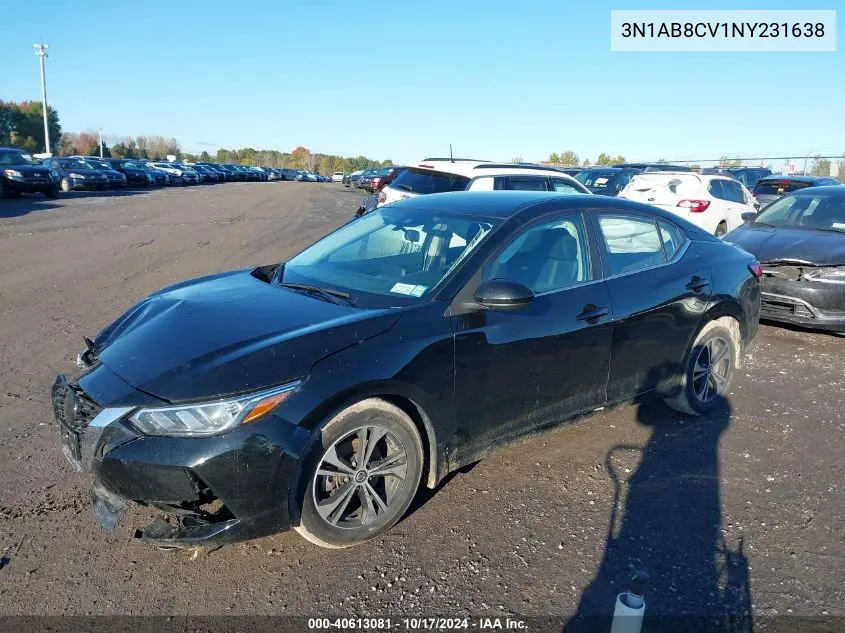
360 475
66 186
708 368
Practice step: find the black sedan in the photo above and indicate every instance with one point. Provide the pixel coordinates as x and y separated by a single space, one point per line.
21 173
800 240
771 188
136 174
117 179
75 173
606 181
320 393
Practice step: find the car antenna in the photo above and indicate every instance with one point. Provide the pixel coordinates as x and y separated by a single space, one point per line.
450 153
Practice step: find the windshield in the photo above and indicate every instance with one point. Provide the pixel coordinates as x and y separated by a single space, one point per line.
821 211
779 187
419 180
600 179
98 165
393 252
11 157
75 163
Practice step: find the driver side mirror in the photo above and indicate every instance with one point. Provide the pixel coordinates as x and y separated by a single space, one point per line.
747 216
503 295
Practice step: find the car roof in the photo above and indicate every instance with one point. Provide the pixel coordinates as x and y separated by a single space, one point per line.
508 204
775 177
837 191
470 169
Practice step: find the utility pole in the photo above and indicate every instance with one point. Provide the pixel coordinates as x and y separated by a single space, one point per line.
41 52
101 142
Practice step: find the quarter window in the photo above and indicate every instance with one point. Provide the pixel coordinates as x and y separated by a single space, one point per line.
671 236
551 256
716 190
630 243
562 186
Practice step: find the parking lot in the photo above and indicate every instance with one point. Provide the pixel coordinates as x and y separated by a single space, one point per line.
736 513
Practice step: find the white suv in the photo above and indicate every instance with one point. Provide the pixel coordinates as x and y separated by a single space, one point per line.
439 175
715 203
337 176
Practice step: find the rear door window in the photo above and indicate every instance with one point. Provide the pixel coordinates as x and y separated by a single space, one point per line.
425 181
630 243
528 183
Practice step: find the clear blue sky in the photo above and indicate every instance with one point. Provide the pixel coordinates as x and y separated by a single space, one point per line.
497 79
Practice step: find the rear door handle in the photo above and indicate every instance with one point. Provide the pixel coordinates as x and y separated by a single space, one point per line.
697 284
592 313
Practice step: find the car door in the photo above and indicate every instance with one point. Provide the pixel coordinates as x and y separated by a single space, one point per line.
737 204
515 371
659 289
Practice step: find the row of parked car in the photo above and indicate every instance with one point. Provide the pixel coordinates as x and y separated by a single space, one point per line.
21 173
794 224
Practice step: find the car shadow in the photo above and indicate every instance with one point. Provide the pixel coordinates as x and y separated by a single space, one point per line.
425 494
666 520
106 193
17 207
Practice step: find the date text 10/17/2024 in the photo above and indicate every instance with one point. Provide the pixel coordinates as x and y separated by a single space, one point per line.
418 624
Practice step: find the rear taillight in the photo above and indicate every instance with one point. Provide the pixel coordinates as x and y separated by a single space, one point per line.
382 197
756 269
695 206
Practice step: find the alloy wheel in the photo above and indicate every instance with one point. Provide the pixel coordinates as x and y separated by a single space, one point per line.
712 368
360 477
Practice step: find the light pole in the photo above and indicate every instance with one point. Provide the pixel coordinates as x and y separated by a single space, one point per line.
101 142
41 52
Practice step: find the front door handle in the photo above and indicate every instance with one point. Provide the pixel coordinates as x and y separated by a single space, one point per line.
697 284
592 313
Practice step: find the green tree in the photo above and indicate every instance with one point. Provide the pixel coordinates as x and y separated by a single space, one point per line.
569 158
554 158
204 156
586 162
840 173
22 124
604 159
821 167
724 161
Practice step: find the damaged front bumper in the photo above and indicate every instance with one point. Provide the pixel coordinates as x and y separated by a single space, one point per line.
209 490
790 296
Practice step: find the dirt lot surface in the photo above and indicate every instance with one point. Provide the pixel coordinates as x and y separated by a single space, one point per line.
739 511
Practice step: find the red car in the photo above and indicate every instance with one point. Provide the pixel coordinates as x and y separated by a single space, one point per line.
382 177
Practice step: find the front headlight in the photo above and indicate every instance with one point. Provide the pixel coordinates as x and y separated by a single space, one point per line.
13 173
830 275
73 174
210 418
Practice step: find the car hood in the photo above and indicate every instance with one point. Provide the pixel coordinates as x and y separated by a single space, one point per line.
229 333
767 244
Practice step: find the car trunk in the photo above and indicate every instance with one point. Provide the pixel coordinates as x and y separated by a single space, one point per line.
665 191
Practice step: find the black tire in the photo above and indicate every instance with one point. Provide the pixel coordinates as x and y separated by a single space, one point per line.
708 368
362 501
721 230
66 186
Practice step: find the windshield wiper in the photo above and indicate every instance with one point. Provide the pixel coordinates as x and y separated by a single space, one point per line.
329 294
772 226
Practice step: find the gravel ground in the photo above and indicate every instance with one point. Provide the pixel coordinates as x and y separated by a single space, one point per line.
740 512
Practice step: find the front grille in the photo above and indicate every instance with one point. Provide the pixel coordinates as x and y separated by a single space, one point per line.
76 415
773 308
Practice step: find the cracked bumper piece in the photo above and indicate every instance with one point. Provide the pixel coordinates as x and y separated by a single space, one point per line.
223 488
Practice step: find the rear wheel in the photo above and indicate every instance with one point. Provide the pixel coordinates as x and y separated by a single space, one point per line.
360 475
722 229
708 368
